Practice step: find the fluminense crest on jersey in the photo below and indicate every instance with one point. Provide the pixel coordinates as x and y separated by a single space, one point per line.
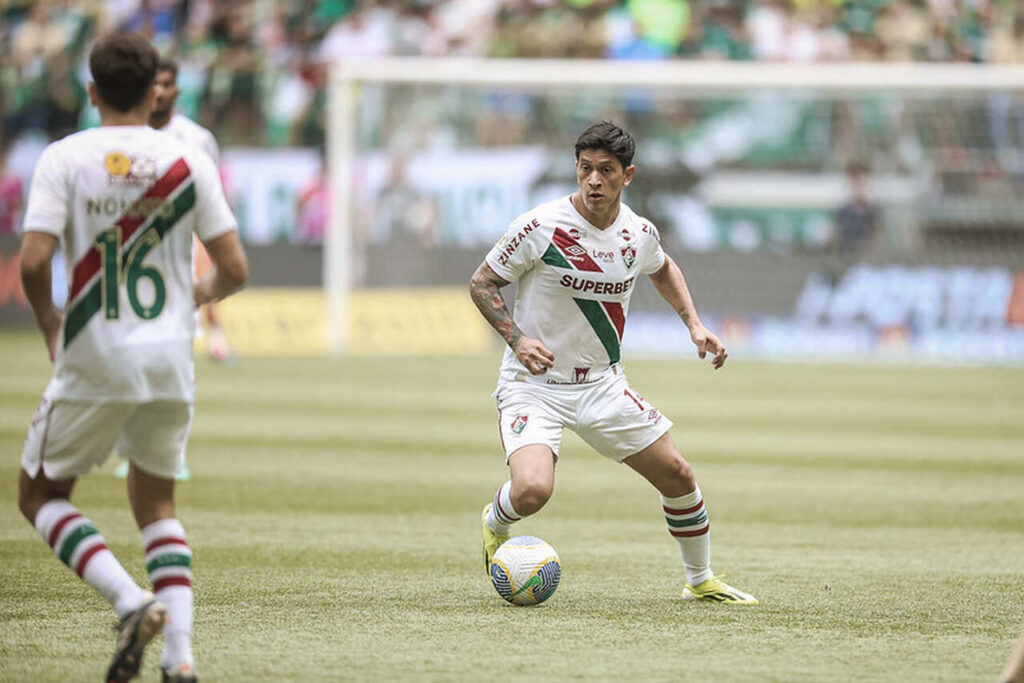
519 423
629 256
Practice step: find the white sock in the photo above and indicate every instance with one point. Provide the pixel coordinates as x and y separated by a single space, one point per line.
169 564
502 515
82 548
688 523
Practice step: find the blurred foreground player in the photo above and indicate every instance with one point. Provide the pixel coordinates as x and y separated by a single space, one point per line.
576 260
123 200
164 118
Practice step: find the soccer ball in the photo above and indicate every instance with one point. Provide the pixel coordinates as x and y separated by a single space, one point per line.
525 570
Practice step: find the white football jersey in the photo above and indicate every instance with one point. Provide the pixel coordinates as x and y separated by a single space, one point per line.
186 130
124 202
574 285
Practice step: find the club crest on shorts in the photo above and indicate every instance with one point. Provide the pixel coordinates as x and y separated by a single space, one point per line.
628 256
579 375
519 424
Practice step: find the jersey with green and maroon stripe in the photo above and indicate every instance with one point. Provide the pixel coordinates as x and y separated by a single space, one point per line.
124 202
574 285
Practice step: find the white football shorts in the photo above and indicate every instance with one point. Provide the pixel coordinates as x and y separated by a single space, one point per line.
608 414
68 438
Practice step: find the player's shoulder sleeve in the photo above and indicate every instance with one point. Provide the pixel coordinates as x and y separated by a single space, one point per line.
213 215
47 208
209 143
519 248
651 256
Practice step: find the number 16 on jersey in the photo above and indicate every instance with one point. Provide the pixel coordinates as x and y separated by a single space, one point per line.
130 269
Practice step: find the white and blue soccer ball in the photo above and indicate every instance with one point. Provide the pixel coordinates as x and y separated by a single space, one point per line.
525 570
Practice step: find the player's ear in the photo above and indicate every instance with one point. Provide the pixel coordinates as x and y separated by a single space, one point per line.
629 174
94 99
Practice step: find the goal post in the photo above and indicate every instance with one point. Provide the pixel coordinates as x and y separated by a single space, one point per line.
747 137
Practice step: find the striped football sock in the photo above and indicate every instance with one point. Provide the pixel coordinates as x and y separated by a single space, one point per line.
502 515
81 547
688 523
169 564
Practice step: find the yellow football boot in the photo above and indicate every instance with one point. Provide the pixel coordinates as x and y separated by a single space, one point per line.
716 590
492 540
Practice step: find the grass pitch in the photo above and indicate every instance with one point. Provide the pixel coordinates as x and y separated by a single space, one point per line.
334 512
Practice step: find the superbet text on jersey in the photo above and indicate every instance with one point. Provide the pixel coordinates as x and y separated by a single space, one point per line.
574 285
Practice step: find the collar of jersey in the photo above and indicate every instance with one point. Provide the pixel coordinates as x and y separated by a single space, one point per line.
591 226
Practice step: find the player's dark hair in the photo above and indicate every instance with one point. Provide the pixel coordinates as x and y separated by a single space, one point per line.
168 64
123 67
608 137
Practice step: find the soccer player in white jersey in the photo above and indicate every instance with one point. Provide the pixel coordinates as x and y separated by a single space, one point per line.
164 117
576 261
123 200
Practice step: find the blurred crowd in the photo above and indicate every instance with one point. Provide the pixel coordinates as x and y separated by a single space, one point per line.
253 70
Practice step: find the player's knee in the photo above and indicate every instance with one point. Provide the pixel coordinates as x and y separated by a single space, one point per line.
530 496
681 479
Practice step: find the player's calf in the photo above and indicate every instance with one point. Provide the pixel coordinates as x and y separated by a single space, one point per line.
78 544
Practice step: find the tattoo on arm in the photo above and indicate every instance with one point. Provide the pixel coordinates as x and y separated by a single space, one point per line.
488 299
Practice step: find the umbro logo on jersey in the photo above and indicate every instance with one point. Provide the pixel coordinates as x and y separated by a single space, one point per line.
575 250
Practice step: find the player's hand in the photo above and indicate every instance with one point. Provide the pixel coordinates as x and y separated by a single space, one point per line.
51 330
534 355
707 341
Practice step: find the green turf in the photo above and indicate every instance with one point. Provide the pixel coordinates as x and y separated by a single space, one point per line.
334 511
